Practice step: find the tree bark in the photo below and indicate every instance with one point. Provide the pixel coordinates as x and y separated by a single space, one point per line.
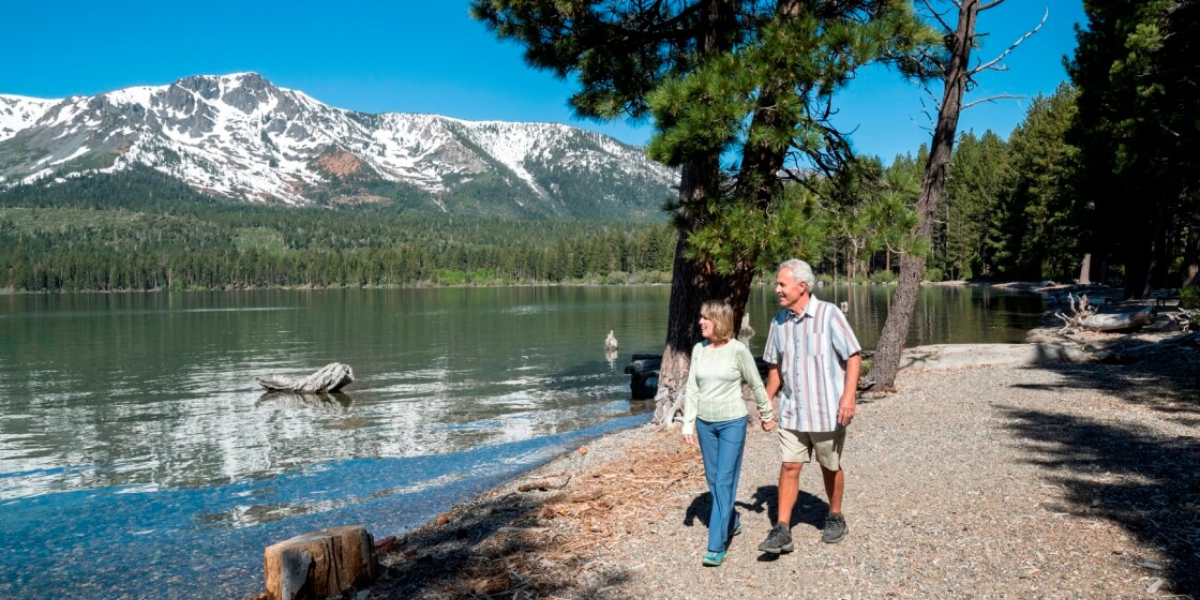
1191 254
1085 270
322 564
886 363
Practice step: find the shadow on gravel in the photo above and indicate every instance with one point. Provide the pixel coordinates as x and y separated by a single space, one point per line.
809 509
1146 482
1169 384
480 554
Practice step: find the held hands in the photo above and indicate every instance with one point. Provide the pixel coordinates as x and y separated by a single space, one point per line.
768 426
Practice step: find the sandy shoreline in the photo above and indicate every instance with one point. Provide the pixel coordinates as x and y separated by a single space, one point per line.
1045 481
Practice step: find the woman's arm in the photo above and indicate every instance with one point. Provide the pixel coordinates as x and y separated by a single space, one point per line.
745 363
691 397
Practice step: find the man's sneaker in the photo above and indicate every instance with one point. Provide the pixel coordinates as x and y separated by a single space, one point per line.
778 541
713 559
835 529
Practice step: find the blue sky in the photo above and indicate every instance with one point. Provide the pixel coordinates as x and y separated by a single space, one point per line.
429 56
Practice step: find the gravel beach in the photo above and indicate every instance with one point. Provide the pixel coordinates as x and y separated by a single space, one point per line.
1052 481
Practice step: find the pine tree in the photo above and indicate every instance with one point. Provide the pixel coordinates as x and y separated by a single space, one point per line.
1135 70
720 77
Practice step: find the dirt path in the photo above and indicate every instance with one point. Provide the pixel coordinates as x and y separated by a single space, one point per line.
1073 481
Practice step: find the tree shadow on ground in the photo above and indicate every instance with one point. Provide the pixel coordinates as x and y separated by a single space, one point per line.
1131 475
486 552
1168 384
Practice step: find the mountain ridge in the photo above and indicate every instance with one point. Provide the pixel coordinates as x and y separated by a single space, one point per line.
241 137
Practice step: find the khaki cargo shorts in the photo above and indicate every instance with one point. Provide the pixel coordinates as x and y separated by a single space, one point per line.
800 446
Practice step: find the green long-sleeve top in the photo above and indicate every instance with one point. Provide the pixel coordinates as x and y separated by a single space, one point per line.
714 386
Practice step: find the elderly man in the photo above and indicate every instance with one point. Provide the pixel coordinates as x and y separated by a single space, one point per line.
815 363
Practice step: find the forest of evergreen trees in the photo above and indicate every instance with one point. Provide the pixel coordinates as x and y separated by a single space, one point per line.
144 231
1099 182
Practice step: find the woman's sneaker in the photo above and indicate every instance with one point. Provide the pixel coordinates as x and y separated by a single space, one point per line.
835 529
713 559
778 541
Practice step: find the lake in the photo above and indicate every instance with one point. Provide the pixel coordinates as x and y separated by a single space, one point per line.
139 457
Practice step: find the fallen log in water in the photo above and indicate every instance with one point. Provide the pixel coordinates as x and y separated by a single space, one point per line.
331 378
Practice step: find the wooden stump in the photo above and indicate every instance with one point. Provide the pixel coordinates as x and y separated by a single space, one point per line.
322 564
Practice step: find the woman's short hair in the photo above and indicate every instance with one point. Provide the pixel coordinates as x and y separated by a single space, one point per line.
721 315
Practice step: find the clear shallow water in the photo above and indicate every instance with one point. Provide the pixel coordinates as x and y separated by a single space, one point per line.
138 455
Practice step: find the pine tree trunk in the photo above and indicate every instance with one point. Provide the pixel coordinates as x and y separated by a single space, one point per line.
1191 254
886 362
693 283
1085 269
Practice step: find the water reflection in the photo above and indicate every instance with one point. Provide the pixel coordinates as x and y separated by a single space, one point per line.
332 401
158 391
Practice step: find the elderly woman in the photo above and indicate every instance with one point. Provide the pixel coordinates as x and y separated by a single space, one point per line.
715 415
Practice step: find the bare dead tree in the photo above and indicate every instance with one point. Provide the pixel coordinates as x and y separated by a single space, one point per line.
958 78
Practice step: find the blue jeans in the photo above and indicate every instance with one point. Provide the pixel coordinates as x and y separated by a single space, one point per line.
721 445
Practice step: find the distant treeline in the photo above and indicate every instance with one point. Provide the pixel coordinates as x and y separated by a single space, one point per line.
144 231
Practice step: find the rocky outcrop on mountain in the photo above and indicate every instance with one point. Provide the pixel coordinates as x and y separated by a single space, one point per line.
241 137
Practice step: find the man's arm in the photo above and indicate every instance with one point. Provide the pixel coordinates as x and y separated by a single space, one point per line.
847 404
774 382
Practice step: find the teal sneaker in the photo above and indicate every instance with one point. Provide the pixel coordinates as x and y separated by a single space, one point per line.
713 559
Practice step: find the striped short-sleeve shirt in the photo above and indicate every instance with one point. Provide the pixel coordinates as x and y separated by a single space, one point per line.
811 350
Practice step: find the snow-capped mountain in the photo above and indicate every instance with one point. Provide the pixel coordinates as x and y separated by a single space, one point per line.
19 112
239 136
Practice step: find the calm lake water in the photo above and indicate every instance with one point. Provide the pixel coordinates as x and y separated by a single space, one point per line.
139 457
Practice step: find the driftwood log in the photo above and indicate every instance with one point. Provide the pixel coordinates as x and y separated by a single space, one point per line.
323 564
1119 321
330 378
1084 316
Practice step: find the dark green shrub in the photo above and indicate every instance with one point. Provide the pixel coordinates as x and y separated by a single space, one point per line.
1189 297
883 277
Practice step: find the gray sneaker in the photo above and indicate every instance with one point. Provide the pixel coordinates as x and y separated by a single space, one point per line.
778 541
835 529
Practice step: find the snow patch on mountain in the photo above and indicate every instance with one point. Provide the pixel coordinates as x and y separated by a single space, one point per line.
19 112
240 136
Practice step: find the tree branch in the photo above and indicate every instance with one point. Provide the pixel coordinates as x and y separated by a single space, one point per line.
937 16
992 63
992 4
992 99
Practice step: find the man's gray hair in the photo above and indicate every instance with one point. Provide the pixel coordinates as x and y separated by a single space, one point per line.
800 271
